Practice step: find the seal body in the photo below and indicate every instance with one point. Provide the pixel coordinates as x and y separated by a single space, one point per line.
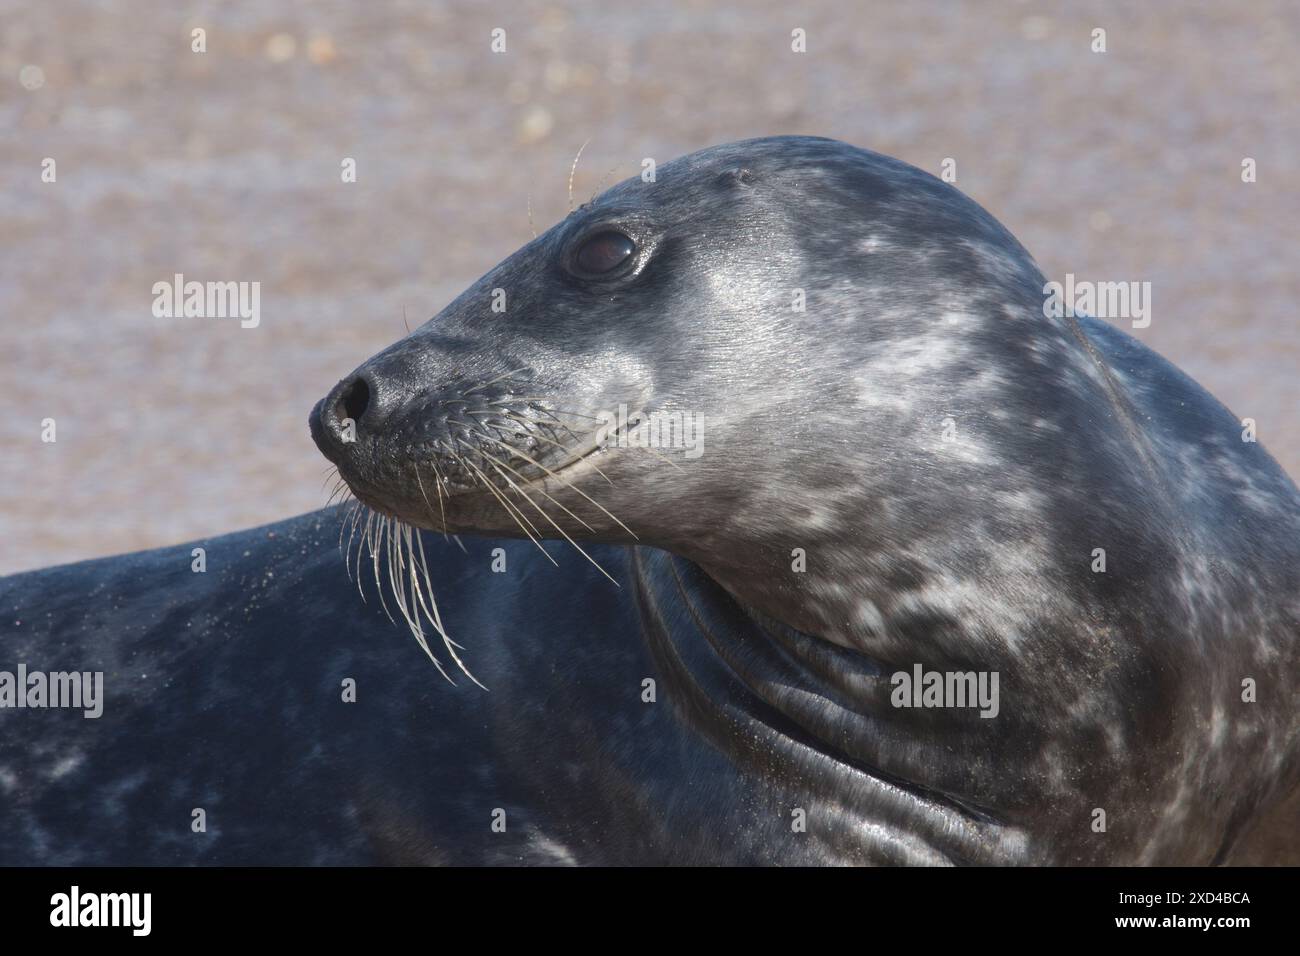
910 469
224 692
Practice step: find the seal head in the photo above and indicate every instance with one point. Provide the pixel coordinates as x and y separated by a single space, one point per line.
907 462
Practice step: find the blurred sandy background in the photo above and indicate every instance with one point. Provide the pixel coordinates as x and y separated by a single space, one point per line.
225 166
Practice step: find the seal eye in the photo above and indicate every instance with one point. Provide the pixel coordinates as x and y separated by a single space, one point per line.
604 252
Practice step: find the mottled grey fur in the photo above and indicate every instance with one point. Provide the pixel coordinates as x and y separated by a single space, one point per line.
946 457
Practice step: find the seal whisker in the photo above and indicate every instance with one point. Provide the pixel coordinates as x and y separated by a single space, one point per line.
573 169
427 504
375 547
395 543
393 578
403 575
332 471
554 413
347 551
393 559
365 536
434 618
565 482
556 526
495 460
559 422
341 490
482 479
397 574
656 453
604 182
438 482
365 544
418 631
557 444
520 518
347 522
564 411
424 567
551 412
522 398
340 486
482 385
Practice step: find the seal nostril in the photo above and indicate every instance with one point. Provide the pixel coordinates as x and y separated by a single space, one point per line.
355 400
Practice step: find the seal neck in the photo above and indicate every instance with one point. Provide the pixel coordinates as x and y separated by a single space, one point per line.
811 720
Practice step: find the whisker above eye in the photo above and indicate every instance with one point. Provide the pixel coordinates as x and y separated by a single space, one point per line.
573 169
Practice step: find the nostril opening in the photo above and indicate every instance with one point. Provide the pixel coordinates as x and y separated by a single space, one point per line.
355 400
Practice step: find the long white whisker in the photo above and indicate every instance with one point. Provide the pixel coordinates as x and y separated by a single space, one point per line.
365 538
375 548
438 487
540 511
564 481
557 444
347 551
520 518
434 618
493 459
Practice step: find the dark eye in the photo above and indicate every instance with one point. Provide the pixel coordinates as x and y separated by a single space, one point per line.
604 252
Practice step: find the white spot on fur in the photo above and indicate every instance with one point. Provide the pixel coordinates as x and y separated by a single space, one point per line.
66 765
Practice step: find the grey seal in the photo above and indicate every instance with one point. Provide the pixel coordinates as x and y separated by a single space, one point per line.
909 471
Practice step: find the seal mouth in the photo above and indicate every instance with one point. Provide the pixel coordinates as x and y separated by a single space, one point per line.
467 463
562 467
